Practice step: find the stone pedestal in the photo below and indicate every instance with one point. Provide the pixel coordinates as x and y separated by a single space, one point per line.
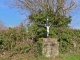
50 47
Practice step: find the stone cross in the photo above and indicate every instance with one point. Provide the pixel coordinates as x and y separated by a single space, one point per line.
47 25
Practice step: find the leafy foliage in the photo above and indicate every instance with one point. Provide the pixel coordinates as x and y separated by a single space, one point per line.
59 28
18 40
11 37
55 21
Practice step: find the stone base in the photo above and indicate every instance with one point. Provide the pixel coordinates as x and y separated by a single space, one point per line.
50 47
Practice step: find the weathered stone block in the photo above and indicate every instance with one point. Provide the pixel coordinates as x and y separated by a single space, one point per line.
50 47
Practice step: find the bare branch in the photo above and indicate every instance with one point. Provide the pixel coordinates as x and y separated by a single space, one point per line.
58 6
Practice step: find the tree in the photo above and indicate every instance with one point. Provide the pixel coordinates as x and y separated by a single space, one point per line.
58 6
40 9
56 10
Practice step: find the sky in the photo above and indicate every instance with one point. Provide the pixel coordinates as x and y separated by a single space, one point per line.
11 17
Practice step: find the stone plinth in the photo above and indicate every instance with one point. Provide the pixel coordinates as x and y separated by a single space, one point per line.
50 47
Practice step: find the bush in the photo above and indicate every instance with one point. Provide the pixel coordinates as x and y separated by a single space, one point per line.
39 46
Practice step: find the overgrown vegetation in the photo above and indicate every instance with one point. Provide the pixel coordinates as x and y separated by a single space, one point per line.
19 40
59 28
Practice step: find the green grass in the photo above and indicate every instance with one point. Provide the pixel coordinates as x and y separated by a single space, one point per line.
73 57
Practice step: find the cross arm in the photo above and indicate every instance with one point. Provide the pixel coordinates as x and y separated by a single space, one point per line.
54 25
41 24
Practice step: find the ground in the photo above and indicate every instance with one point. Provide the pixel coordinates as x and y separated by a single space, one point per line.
26 56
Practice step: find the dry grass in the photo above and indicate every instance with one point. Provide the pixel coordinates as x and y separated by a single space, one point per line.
25 56
29 56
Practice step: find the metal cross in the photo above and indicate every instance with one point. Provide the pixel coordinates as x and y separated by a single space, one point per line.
47 25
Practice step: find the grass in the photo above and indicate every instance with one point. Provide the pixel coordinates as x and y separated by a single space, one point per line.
68 56
73 57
